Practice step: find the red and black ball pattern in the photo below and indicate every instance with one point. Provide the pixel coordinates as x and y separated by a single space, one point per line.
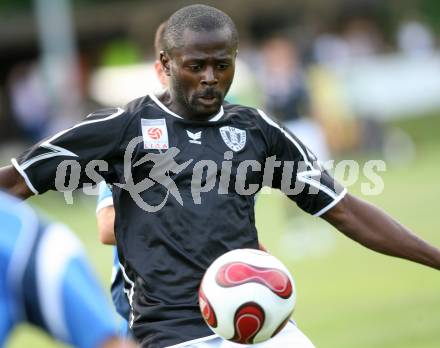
247 296
237 273
248 321
206 309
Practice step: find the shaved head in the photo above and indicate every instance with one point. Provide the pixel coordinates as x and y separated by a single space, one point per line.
197 18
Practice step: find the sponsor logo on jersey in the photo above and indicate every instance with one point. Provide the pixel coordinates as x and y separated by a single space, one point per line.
155 134
233 137
194 137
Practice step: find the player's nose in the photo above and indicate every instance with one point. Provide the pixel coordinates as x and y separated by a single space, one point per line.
209 78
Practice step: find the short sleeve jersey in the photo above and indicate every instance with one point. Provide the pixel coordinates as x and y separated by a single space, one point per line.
183 192
105 198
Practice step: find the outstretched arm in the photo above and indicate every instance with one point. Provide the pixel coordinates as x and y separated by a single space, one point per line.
12 182
376 230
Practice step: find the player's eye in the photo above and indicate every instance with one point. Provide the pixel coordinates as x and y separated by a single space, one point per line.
222 66
195 67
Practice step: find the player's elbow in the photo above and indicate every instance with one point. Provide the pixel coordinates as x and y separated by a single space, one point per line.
341 216
105 237
355 218
106 221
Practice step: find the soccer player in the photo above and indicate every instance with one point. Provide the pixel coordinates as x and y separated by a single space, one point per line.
46 281
185 168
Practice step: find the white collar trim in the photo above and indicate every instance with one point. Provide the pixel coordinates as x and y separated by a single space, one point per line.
164 108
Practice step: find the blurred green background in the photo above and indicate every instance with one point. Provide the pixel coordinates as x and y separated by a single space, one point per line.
348 296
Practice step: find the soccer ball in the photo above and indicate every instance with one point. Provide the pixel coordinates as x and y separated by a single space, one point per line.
247 296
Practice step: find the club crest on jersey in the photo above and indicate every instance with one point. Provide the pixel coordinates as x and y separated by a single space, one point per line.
155 134
233 137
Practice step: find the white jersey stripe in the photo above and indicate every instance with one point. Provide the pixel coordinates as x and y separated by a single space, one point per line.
287 135
24 175
129 293
332 204
55 151
164 108
306 175
59 151
57 247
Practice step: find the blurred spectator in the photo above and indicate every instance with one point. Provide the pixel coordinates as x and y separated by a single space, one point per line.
29 100
284 85
363 37
338 54
331 107
286 94
359 37
330 48
415 37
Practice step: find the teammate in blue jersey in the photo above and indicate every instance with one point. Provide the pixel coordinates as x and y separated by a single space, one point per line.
45 280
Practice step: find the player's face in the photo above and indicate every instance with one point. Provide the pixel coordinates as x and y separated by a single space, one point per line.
200 72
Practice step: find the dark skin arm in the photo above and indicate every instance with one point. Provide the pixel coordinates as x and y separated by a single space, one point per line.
376 230
11 181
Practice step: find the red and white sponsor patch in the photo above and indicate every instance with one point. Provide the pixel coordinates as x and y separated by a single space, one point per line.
155 134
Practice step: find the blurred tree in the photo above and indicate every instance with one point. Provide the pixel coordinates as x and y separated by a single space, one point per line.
15 5
121 52
26 5
431 11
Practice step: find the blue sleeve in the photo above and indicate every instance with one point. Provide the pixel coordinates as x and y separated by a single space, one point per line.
105 198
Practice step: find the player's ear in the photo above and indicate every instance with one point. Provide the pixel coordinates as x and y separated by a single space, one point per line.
165 62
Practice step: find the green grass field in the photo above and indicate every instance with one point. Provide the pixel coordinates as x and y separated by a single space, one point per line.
348 296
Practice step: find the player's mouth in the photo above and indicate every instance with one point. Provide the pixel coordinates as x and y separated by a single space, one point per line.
209 99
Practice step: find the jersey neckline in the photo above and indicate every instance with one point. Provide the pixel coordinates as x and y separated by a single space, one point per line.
215 118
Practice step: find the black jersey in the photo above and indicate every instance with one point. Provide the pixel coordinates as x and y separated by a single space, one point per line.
183 193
